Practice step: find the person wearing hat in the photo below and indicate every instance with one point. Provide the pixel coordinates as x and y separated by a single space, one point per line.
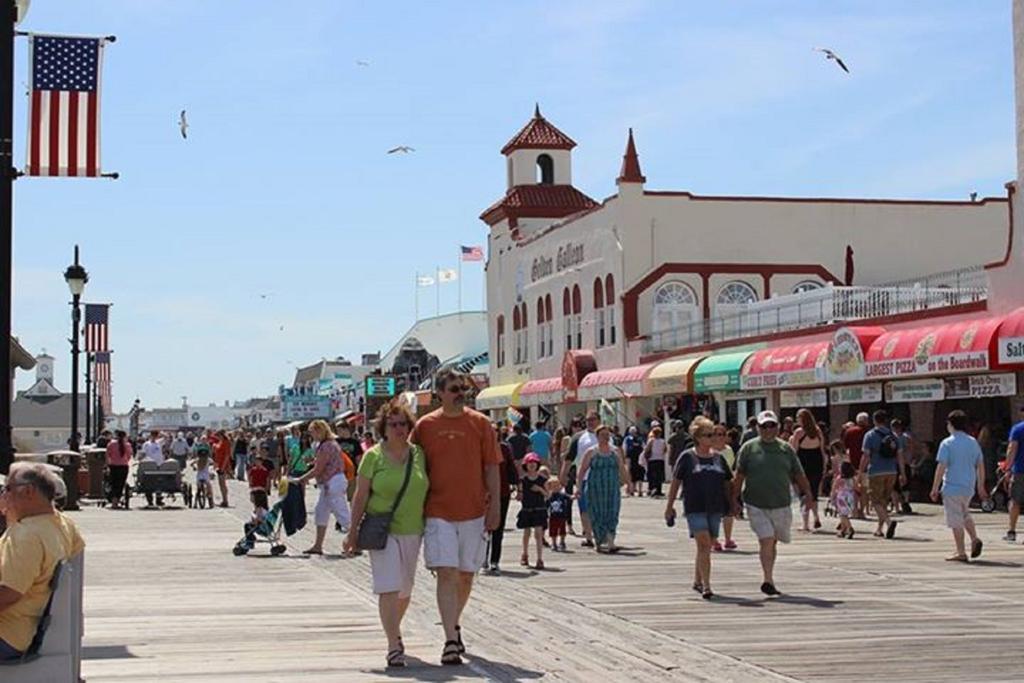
765 468
533 516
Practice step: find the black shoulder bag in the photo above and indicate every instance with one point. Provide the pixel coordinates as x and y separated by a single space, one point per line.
373 530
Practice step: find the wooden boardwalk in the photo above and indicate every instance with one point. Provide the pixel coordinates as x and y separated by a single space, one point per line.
166 600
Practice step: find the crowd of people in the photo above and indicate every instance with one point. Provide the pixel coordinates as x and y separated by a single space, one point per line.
444 484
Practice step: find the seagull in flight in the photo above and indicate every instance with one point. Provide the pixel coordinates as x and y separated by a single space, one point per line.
832 56
403 149
183 125
362 62
266 296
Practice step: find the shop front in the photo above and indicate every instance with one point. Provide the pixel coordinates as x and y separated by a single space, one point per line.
543 398
495 401
719 375
618 395
794 376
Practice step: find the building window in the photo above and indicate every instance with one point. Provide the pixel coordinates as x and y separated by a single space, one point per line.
517 324
675 305
525 332
732 303
577 315
599 312
807 286
501 341
545 170
609 302
736 293
567 317
541 328
550 324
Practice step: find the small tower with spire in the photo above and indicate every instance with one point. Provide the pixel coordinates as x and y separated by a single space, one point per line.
630 172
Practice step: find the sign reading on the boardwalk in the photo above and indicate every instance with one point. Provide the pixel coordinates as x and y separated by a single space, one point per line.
305 407
380 385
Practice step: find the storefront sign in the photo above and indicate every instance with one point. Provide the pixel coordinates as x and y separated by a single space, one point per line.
923 364
915 390
803 398
567 256
845 360
982 386
855 393
305 407
1011 350
725 380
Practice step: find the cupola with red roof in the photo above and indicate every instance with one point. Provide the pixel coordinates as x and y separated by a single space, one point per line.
539 176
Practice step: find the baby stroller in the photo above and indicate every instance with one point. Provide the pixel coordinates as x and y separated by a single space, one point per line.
266 530
999 496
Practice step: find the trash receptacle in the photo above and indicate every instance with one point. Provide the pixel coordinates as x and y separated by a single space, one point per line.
69 462
96 460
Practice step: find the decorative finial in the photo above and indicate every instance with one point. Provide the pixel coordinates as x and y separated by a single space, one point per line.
536 110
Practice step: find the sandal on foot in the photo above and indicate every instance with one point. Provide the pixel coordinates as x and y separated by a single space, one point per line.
976 548
539 565
312 551
698 587
450 654
957 558
524 561
458 636
707 594
396 658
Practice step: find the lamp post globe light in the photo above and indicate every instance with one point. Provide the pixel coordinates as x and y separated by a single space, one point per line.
76 277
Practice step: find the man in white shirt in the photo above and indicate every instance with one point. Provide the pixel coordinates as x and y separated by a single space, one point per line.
180 449
580 444
153 449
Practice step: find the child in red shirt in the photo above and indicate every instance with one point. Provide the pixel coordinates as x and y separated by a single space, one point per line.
259 477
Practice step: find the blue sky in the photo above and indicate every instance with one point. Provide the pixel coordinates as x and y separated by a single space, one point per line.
284 186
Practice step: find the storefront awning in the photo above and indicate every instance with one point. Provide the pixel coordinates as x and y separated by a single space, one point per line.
720 372
614 384
786 366
671 377
538 392
934 350
500 396
1011 340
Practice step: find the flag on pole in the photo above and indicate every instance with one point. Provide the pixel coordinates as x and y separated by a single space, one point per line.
64 106
475 253
513 416
607 412
101 369
447 275
424 280
97 338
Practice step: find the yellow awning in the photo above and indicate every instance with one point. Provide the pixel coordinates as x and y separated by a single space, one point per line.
672 377
500 396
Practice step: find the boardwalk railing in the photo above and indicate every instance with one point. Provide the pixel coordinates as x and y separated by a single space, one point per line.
829 305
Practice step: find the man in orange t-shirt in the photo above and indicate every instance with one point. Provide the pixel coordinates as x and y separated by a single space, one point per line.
463 504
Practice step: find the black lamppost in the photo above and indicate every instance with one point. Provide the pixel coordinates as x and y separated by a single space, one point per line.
76 278
11 12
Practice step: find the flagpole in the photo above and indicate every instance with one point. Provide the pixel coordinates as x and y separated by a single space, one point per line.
437 283
416 294
460 279
88 397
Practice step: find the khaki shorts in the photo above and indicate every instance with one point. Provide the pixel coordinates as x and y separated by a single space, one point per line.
957 510
458 545
771 522
394 565
880 488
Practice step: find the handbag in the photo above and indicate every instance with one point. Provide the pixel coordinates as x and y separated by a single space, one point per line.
373 530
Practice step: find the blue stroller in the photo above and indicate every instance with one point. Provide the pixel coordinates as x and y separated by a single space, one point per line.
266 530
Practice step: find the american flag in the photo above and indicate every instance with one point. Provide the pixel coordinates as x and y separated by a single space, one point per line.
97 337
101 370
64 106
475 253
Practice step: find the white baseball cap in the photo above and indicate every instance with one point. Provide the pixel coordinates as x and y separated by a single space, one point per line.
766 416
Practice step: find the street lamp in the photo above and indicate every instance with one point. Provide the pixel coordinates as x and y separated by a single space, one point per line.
76 277
11 13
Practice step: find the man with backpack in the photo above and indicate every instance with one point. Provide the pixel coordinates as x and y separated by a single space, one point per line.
883 461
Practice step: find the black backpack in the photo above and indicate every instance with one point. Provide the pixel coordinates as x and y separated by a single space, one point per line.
890 446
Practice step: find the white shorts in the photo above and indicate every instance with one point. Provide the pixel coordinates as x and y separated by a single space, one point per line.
771 522
202 476
332 501
957 509
394 566
460 545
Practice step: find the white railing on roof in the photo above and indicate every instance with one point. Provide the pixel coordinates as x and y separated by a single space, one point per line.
829 305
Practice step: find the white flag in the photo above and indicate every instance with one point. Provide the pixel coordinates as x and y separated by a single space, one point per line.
424 281
447 275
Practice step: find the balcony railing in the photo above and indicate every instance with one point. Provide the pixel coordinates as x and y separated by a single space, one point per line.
829 305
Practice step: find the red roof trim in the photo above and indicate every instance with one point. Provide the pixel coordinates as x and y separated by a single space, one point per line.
538 201
821 200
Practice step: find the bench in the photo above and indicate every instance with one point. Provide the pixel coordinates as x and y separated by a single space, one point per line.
55 655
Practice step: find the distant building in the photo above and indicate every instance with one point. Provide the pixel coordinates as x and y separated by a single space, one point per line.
41 415
20 358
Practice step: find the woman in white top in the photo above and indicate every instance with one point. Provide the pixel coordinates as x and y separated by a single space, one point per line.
654 462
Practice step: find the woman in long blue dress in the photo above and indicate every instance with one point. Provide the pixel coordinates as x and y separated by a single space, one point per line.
607 475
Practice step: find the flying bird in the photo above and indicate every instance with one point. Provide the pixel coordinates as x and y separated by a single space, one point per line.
361 62
403 149
266 296
183 125
281 329
832 56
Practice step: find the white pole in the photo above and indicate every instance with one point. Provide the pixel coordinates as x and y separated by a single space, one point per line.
416 294
437 307
460 279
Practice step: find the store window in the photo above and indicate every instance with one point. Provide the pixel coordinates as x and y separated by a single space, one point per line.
675 305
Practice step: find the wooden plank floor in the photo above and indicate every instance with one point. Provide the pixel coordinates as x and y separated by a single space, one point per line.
165 600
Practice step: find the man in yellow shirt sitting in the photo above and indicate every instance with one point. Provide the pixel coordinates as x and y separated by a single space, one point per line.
37 538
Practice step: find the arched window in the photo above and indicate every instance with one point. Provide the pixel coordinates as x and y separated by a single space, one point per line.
517 324
675 305
545 170
550 325
524 344
609 301
599 334
541 327
734 298
567 317
736 293
501 341
807 286
577 316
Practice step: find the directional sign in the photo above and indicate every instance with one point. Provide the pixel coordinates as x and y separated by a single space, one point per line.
381 385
